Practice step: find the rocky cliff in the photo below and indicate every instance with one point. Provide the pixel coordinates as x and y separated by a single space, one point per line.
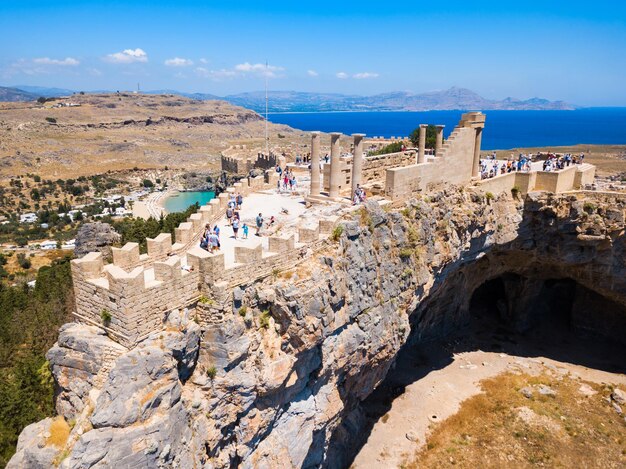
272 373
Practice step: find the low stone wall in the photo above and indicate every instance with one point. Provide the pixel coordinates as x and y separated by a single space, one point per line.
568 179
453 167
374 169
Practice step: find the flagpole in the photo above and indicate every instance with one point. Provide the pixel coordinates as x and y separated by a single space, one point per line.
267 138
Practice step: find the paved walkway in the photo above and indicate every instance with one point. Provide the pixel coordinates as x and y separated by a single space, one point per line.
269 203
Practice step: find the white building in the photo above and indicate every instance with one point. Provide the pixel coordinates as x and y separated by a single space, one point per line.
28 217
48 245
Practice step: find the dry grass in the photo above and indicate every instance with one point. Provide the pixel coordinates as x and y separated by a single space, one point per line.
567 430
109 132
59 432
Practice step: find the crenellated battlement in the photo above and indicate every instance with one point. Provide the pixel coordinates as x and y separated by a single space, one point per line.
130 296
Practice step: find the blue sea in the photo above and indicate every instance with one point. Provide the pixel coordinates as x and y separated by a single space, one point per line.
503 129
181 201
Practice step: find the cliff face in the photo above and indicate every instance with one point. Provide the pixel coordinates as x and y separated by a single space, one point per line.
273 374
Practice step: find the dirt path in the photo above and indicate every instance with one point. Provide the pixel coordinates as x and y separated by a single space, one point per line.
432 380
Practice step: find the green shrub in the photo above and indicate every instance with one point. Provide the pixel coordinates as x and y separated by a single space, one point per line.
264 320
52 120
515 191
589 207
106 317
337 232
405 253
489 196
211 372
205 300
242 311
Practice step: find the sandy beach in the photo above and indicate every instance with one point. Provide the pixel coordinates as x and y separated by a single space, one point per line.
152 205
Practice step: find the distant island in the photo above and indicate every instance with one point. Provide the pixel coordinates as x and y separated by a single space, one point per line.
296 101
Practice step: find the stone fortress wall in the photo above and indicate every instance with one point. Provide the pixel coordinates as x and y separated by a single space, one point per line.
131 296
239 159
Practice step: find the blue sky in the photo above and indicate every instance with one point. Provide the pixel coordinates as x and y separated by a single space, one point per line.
575 51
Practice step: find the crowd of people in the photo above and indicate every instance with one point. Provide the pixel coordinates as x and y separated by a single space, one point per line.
359 195
286 180
490 167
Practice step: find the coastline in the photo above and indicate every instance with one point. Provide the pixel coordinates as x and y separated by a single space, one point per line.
153 205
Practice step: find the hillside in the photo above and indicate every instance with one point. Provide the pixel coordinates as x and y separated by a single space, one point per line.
8 94
117 131
297 101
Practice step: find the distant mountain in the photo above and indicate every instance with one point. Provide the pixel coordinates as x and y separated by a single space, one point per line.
450 99
44 91
297 101
14 94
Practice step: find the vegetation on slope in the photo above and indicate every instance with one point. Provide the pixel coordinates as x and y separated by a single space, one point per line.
29 324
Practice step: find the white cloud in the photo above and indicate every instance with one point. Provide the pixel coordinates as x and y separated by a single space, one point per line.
365 75
240 70
127 56
68 61
178 62
216 75
270 71
94 71
312 73
203 61
342 75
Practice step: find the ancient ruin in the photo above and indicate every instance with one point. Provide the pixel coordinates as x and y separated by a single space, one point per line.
260 357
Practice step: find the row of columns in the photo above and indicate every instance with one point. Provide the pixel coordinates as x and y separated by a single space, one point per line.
357 159
335 163
421 150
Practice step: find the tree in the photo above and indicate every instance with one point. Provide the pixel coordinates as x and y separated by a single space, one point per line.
147 183
41 100
431 136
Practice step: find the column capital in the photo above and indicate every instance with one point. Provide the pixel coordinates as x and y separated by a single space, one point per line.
335 134
359 135
440 126
315 133
422 126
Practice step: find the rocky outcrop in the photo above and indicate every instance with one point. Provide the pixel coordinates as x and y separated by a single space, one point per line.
274 374
96 236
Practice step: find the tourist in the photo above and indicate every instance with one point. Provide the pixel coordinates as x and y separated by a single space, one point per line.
259 223
279 170
235 226
239 201
271 222
229 214
214 241
216 231
245 231
204 242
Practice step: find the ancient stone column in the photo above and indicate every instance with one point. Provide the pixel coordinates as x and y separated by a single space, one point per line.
421 154
439 140
335 165
357 161
315 163
476 165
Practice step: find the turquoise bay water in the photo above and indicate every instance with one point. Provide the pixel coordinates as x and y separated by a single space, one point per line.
180 201
503 129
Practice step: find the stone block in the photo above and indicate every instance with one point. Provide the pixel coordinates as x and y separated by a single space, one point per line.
88 266
284 243
168 270
184 233
206 211
160 246
125 283
246 255
127 256
308 234
327 225
196 219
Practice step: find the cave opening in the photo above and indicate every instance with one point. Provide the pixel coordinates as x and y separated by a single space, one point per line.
510 314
